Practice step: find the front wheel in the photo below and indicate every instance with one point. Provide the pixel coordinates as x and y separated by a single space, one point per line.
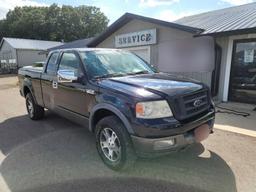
35 111
114 144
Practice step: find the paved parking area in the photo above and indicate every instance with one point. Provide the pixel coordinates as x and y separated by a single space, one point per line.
54 154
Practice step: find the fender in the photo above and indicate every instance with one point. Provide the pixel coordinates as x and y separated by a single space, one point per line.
113 109
27 83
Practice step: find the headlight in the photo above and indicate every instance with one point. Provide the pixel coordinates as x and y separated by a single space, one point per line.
153 110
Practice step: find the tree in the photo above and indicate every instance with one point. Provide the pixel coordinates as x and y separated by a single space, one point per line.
53 23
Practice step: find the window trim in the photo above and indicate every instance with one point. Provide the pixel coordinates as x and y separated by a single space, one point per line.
47 63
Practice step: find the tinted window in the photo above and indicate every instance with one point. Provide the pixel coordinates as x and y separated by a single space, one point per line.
52 63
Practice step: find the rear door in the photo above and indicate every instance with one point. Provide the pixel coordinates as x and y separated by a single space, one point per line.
48 80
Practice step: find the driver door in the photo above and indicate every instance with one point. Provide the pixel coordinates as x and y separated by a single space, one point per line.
72 96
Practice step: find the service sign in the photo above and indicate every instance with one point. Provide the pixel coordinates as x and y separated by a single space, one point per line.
146 37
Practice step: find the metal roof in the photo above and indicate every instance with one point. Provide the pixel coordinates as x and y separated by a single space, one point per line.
127 17
73 44
239 18
31 44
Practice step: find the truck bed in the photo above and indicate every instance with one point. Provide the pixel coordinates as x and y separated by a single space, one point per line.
30 71
31 77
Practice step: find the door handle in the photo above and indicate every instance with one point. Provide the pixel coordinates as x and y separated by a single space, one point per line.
54 84
90 91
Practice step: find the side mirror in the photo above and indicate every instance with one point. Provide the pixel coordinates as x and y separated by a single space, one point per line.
66 75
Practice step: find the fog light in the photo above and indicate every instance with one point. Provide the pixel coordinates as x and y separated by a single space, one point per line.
164 144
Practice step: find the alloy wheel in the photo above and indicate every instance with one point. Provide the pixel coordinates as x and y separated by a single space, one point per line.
110 144
30 107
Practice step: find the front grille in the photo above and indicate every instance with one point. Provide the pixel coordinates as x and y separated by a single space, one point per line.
191 104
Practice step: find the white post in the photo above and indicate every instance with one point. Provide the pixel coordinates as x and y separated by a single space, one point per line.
227 69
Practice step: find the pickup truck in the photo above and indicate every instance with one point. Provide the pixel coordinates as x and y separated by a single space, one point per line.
132 109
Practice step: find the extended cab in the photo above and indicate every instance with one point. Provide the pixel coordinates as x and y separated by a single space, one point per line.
132 109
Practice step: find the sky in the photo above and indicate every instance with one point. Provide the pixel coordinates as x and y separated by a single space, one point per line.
169 10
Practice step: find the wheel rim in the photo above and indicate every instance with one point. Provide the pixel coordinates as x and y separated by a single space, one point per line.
110 145
30 107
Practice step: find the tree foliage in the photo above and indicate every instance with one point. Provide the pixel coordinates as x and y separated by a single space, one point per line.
53 23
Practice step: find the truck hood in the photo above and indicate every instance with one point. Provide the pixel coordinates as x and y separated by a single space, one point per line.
154 84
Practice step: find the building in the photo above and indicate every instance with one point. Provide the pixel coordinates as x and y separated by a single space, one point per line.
234 32
230 70
158 40
81 43
15 53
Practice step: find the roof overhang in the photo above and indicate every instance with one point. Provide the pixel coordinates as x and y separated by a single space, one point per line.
229 33
127 17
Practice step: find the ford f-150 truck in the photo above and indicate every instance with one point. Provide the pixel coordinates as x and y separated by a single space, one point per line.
132 109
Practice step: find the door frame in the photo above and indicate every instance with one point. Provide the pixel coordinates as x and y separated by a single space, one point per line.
227 46
235 41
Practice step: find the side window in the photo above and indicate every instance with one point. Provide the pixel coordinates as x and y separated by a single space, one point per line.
51 66
69 61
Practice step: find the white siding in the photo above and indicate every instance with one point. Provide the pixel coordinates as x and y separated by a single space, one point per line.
28 57
164 34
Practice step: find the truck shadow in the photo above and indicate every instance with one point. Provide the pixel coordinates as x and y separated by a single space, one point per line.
56 155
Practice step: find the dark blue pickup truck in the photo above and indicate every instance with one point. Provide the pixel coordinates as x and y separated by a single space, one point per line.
132 109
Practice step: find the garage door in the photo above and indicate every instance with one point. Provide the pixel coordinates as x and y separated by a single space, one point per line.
143 52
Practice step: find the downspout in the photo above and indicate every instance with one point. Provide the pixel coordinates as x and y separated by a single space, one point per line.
17 60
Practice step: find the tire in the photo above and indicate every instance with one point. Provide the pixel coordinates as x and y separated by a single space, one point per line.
35 112
122 144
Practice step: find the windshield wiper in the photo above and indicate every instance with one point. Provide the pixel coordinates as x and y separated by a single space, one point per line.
139 72
119 74
108 75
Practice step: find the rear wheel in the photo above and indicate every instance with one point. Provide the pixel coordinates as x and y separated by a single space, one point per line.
35 111
114 144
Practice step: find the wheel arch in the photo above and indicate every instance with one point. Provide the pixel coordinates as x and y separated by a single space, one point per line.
27 88
102 110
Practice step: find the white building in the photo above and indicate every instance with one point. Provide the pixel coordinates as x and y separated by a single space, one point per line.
231 70
16 53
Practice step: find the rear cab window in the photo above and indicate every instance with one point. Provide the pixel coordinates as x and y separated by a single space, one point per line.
51 65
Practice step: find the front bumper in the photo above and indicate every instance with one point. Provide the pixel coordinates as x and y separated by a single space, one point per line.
181 136
147 147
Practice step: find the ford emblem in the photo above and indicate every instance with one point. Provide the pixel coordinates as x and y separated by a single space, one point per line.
197 102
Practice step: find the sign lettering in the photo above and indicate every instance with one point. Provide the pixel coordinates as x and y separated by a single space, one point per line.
139 38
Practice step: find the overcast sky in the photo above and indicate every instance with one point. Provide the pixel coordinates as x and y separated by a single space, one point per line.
169 10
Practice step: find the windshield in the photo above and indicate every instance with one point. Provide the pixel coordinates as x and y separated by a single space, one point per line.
110 63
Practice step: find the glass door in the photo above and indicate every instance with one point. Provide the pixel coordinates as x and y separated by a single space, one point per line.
243 72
